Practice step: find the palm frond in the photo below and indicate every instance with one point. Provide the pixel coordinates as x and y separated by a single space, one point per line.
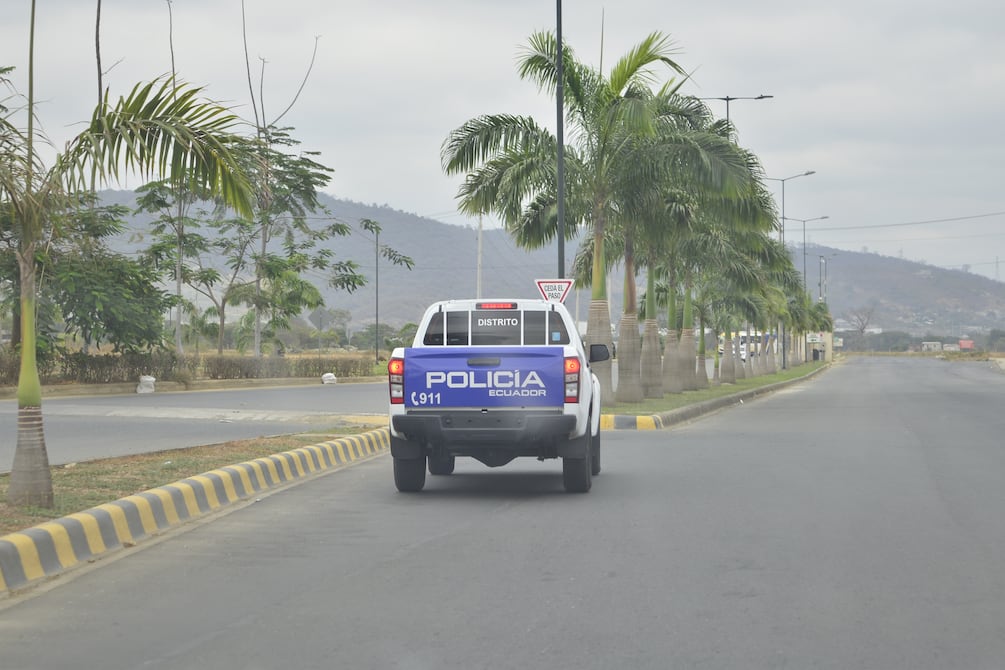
161 128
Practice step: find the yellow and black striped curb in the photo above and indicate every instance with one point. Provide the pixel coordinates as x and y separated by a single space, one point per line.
57 546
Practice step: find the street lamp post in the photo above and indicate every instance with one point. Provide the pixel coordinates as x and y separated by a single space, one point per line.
560 137
822 281
781 237
728 99
783 180
822 291
804 221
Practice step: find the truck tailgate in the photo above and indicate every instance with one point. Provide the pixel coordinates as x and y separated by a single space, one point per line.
484 377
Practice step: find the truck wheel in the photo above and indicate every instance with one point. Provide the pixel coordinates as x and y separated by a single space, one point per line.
409 474
595 455
441 465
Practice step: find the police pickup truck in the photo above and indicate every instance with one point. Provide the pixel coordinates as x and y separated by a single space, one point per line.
495 380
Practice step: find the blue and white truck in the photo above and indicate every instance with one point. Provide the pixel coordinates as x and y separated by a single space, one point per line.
495 380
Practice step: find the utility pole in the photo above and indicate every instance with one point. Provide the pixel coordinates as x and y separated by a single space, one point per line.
560 136
478 279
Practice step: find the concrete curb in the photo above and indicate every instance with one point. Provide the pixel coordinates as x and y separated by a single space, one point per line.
53 548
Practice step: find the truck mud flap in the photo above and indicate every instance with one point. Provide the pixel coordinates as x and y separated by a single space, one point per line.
405 448
576 447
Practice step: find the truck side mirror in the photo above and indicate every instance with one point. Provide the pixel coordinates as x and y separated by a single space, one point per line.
599 352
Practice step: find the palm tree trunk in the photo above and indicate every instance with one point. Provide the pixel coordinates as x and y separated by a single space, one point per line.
687 360
598 324
701 373
598 331
728 372
671 369
739 371
630 354
748 366
30 479
769 357
652 384
688 353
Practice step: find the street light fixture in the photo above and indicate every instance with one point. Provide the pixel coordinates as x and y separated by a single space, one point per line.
729 98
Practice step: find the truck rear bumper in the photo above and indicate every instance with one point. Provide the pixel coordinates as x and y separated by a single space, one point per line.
475 427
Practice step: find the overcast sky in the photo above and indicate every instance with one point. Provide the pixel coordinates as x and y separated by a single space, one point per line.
897 106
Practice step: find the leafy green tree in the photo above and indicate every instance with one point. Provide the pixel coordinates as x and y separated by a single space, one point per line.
287 209
341 320
217 266
173 204
159 127
110 298
199 326
102 296
286 294
996 339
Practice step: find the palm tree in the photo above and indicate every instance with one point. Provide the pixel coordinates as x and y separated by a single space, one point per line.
706 180
510 160
659 373
161 127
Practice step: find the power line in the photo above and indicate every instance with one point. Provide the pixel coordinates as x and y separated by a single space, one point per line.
912 223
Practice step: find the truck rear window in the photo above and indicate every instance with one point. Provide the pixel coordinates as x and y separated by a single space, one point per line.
495 328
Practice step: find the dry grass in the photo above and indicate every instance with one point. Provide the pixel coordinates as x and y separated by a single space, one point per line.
84 485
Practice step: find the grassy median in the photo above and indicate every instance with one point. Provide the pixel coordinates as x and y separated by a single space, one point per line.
80 486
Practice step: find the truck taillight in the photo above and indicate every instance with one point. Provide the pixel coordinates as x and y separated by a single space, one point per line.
573 366
396 380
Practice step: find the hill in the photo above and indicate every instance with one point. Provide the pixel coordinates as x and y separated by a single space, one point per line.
899 294
904 295
445 256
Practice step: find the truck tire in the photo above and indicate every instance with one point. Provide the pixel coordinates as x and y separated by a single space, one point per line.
577 472
441 465
409 474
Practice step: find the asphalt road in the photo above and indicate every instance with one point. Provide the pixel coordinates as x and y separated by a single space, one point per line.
85 428
851 521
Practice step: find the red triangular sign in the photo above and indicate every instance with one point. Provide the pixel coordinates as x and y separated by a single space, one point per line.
554 290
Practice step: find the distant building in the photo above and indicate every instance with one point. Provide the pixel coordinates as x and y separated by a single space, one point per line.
931 346
966 345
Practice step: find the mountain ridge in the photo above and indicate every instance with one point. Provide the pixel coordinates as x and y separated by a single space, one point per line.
899 294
